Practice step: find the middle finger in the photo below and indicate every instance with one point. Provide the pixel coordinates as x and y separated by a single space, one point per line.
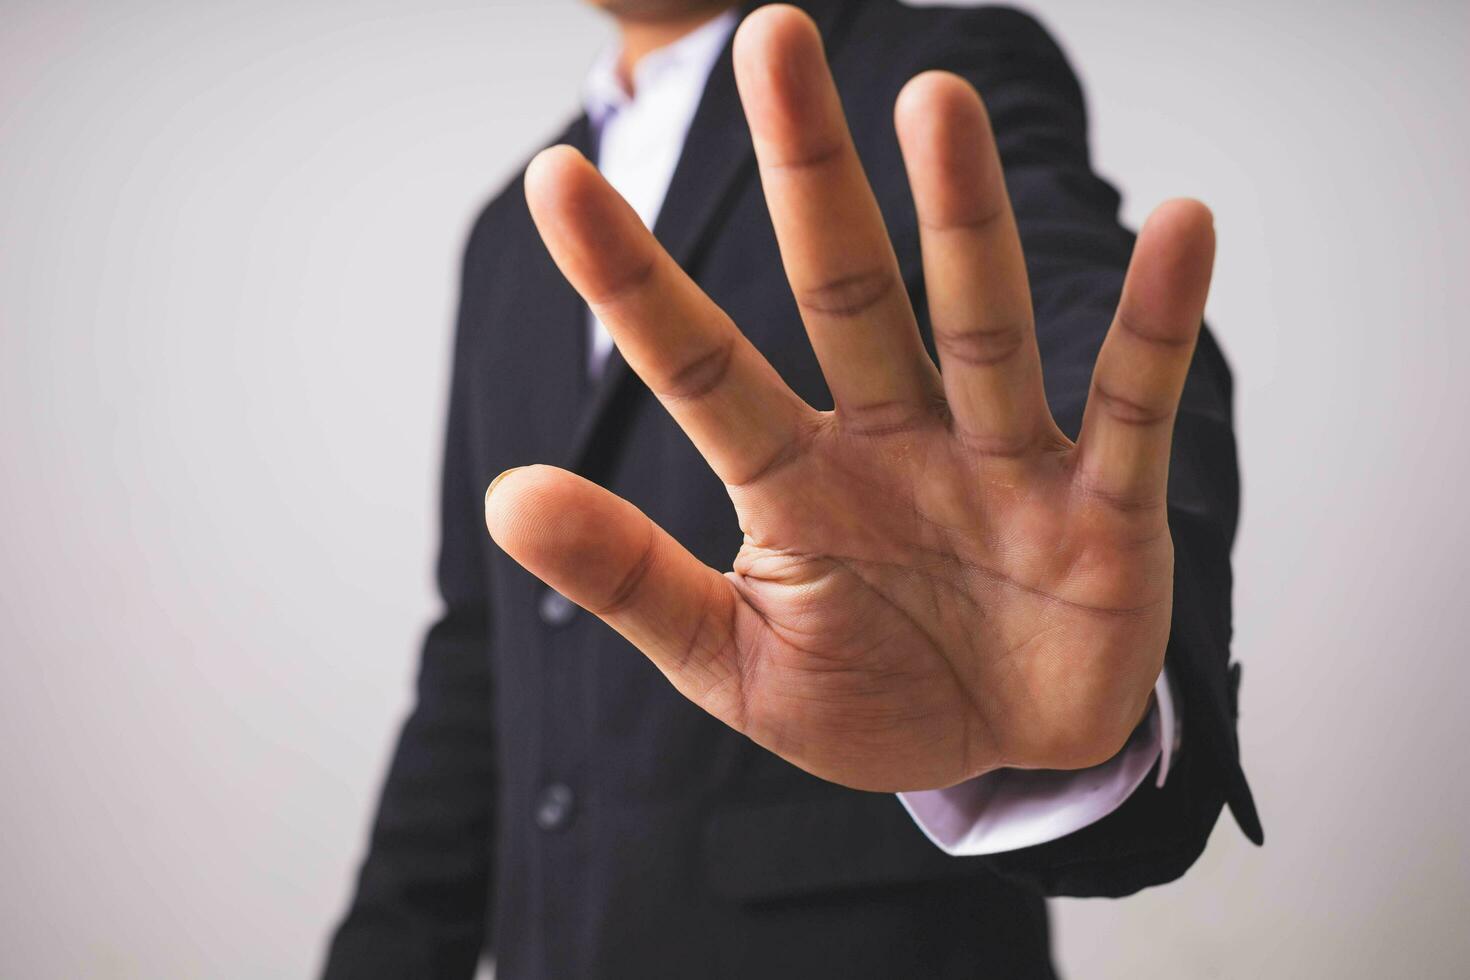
833 242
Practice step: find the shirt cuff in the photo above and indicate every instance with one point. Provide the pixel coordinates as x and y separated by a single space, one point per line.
1014 808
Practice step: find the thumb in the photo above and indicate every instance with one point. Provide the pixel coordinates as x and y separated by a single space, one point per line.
605 555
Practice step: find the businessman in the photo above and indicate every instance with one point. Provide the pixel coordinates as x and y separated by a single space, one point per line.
815 366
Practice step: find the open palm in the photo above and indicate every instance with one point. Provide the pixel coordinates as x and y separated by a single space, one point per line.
935 582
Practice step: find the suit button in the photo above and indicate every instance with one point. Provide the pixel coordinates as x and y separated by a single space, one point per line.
554 807
556 609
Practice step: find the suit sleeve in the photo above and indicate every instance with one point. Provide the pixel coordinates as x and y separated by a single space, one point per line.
422 898
1077 254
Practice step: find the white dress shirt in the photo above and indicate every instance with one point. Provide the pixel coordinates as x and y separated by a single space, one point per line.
640 137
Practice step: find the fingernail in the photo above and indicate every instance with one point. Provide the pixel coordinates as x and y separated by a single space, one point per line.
496 481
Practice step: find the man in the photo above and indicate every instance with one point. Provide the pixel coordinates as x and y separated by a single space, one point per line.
936 591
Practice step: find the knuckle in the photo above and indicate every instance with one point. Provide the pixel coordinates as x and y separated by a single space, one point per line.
626 283
812 158
883 418
977 222
997 445
1131 411
848 296
980 346
626 591
700 376
787 454
1131 497
1156 336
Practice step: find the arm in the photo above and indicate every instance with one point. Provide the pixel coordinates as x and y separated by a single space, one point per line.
421 903
936 581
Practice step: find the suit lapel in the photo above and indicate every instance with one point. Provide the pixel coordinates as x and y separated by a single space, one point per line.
547 323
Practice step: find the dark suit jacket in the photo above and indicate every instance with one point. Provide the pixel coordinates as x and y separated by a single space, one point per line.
554 803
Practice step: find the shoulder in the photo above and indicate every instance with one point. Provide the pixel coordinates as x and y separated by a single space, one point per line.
1005 52
876 46
920 28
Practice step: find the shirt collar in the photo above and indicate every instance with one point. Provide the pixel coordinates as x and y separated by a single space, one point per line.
693 55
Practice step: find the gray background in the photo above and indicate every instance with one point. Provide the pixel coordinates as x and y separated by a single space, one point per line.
227 264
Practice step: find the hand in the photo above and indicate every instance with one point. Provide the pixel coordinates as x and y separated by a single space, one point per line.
935 582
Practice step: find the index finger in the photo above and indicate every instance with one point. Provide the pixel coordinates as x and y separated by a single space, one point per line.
741 416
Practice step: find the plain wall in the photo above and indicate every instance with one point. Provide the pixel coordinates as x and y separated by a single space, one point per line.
228 243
